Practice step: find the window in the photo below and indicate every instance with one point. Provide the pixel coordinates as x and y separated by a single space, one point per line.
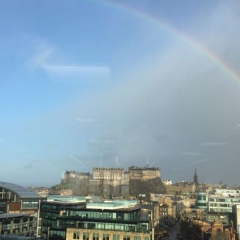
126 237
116 237
105 236
201 204
85 236
95 236
137 238
76 235
30 204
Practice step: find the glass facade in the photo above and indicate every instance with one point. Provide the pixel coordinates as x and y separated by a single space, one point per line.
30 203
201 201
60 216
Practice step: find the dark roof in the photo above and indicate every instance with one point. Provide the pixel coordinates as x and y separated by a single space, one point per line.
13 215
21 192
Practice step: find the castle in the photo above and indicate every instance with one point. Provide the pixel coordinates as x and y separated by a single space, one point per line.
111 182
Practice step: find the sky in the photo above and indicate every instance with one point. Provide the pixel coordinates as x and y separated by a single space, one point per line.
94 83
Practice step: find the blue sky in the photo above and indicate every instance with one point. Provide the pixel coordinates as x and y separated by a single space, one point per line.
84 82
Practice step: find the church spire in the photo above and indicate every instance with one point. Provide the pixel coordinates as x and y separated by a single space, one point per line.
195 178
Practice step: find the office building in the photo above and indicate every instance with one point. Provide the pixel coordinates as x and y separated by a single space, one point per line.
99 220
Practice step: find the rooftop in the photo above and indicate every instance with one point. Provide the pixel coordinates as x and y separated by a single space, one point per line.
21 192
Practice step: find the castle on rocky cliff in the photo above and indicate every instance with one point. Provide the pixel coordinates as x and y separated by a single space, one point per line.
113 182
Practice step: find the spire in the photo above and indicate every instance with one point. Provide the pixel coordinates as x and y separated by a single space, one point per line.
195 178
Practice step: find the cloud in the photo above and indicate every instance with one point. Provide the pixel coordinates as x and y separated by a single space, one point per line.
20 149
60 67
38 160
214 144
191 153
72 157
86 120
190 164
78 73
28 166
175 98
43 53
80 69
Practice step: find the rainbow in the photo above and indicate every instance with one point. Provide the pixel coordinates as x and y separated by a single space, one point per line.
226 68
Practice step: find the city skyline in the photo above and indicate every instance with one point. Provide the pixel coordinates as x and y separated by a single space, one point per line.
119 83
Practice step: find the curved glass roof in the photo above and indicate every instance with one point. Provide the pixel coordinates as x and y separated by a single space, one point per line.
21 192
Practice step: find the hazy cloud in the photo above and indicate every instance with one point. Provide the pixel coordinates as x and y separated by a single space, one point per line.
191 153
214 144
28 166
85 120
190 164
35 159
76 159
62 69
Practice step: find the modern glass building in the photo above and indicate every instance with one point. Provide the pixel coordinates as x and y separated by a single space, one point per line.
90 220
17 199
222 204
214 203
201 201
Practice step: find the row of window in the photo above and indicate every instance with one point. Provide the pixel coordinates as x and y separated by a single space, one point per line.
220 205
201 197
104 215
220 210
30 205
143 227
105 236
224 200
201 204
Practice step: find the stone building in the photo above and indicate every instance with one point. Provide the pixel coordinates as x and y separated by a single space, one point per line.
146 173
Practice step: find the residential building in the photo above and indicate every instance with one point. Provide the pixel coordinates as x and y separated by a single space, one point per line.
167 182
18 225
